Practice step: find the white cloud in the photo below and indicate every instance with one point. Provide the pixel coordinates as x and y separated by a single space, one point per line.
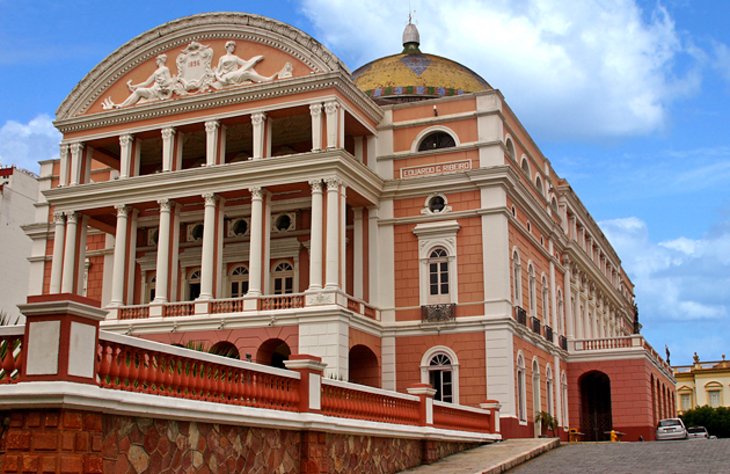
24 145
675 279
570 69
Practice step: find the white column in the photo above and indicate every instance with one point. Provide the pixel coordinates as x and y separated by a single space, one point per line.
567 300
120 256
125 155
256 246
553 295
315 242
162 272
343 239
211 142
63 172
358 251
168 142
257 120
57 261
69 254
315 110
332 269
330 110
77 150
208 254
373 273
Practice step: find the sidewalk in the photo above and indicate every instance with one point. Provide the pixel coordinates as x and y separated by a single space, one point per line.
491 458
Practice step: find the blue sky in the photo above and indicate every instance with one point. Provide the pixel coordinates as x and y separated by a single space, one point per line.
629 100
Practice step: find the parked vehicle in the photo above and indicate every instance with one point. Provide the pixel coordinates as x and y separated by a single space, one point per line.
671 428
697 432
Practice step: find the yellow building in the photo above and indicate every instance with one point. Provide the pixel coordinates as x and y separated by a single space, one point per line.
703 383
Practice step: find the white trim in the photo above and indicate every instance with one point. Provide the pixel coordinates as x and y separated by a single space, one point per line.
426 363
431 235
428 131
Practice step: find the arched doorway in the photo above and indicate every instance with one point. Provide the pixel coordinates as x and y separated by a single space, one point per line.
363 366
595 405
273 352
225 349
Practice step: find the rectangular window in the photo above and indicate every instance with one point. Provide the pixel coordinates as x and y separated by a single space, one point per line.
686 401
714 398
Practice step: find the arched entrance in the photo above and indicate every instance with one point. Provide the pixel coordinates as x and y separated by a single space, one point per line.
225 349
363 366
595 405
273 352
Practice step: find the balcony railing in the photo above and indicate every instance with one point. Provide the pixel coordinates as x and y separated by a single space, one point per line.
549 333
290 301
185 308
535 325
134 312
521 315
621 343
436 313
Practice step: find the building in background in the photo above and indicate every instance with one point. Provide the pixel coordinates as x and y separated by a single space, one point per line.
18 195
703 383
225 180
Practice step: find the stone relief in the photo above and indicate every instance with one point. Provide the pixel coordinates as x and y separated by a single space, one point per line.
195 74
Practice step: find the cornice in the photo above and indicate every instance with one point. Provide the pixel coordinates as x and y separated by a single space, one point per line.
221 178
202 27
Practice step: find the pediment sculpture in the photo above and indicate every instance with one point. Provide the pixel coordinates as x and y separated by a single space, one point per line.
195 75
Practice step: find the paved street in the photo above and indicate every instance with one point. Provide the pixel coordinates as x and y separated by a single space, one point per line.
696 456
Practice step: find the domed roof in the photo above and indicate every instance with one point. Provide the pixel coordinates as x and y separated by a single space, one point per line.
413 75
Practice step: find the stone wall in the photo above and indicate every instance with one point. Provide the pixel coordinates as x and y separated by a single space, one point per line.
69 441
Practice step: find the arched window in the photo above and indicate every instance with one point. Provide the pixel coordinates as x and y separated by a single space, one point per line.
517 276
545 301
532 284
436 140
525 167
536 402
549 390
554 204
714 394
239 281
560 311
521 389
510 149
193 285
283 278
440 376
438 276
538 185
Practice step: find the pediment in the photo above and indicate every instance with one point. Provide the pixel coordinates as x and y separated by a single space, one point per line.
201 54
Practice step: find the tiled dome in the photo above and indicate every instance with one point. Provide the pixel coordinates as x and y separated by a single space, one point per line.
413 75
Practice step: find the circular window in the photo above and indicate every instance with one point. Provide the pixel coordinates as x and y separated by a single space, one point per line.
283 223
436 204
240 227
197 232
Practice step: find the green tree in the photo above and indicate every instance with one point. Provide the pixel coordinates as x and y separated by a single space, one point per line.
716 420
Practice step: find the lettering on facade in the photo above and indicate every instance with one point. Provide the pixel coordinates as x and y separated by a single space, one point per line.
436 169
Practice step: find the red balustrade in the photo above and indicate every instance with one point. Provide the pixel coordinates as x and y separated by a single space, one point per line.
344 401
11 356
369 312
353 305
281 302
139 369
454 417
226 306
134 312
186 308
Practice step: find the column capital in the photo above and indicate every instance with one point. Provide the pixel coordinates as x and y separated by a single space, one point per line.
165 204
331 107
125 140
258 118
58 217
566 261
71 217
212 126
210 199
76 147
257 192
122 210
315 110
64 149
333 183
316 185
167 133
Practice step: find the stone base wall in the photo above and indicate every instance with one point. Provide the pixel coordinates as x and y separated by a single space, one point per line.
69 441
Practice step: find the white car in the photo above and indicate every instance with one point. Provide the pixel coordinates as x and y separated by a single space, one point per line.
697 432
671 428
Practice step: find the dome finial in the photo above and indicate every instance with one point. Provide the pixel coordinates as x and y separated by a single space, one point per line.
411 38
